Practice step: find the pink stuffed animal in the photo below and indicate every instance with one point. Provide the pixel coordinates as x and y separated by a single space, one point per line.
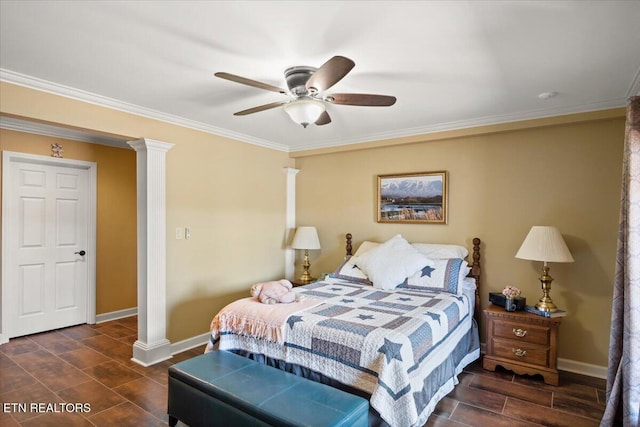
274 292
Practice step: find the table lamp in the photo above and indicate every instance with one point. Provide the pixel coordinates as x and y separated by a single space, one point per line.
545 243
306 238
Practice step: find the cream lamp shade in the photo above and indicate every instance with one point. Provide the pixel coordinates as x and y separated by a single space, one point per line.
545 243
306 238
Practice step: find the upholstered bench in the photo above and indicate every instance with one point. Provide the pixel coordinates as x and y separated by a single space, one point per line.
223 389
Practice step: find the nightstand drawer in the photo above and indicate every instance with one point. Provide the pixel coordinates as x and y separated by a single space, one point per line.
520 352
522 332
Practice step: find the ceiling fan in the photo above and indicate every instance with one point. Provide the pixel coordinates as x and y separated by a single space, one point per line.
306 88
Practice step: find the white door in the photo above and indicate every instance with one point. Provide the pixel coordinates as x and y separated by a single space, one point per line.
47 280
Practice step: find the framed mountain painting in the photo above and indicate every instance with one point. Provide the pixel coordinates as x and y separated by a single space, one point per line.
413 198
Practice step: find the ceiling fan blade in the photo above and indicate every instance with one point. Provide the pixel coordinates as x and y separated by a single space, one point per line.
249 82
330 73
259 108
363 99
324 119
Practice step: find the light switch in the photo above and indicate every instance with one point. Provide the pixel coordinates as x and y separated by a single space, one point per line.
179 233
187 233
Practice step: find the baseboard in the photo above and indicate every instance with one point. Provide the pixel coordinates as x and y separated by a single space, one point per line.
149 354
177 347
189 343
100 318
582 368
118 314
573 366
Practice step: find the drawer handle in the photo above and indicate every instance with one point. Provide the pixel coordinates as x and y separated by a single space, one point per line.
519 352
519 332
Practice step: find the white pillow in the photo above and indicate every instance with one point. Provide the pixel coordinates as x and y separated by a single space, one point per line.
349 270
390 263
365 247
440 251
430 250
440 275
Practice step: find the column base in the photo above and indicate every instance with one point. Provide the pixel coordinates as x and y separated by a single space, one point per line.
150 354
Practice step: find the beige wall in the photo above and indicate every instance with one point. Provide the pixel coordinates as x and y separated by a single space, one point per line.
231 194
233 197
500 184
116 212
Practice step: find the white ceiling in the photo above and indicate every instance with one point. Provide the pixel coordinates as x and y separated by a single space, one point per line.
451 64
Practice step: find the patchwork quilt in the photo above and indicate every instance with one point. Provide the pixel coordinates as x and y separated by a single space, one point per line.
396 345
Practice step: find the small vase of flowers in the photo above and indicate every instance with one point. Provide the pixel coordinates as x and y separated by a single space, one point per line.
511 292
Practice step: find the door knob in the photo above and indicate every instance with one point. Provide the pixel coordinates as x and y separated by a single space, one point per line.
81 253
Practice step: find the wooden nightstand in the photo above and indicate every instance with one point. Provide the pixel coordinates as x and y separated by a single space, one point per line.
522 342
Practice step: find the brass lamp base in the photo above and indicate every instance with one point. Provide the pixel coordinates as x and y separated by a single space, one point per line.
303 280
545 303
306 278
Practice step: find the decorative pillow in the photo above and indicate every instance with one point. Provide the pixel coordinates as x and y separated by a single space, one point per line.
366 246
440 275
440 251
390 263
430 250
350 271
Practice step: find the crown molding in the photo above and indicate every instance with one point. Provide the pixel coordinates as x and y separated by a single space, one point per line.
37 128
103 101
471 123
84 96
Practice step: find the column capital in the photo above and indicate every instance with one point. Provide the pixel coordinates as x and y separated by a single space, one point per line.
291 171
146 144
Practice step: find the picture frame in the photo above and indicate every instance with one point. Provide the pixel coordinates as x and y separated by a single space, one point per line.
413 198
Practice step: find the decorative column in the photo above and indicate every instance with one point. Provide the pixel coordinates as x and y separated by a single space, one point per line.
290 223
152 345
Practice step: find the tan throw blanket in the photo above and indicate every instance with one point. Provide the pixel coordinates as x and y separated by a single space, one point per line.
250 317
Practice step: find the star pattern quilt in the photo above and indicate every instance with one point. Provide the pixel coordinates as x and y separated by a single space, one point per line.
403 347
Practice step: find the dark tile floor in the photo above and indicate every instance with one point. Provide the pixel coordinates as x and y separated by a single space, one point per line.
89 368
500 398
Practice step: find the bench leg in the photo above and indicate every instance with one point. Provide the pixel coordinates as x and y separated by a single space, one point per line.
173 421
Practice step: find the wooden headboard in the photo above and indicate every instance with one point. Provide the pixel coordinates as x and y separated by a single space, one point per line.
474 263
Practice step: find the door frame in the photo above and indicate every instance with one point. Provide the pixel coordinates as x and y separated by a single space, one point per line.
9 157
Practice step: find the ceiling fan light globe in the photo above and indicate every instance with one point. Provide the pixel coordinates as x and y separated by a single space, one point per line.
304 110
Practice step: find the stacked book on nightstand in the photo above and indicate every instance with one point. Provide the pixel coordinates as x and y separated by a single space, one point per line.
534 310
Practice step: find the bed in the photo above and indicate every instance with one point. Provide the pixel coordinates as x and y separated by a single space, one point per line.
395 323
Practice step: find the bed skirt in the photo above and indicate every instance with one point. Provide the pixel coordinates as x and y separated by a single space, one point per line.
441 381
